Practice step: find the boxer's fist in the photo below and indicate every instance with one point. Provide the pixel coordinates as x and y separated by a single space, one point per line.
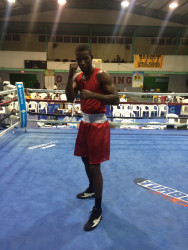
73 68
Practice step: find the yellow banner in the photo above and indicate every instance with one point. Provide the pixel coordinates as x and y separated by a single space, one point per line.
97 61
148 61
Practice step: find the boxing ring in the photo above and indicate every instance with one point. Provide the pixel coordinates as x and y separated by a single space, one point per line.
40 177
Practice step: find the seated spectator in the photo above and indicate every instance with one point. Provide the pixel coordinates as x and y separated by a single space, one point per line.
146 90
27 94
155 97
48 97
152 90
55 86
37 96
57 97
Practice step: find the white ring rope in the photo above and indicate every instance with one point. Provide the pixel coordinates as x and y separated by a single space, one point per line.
120 93
8 92
112 123
6 130
151 94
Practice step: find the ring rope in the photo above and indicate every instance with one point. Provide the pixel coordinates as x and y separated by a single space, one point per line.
110 117
12 127
8 91
112 123
6 116
151 94
77 102
120 93
7 102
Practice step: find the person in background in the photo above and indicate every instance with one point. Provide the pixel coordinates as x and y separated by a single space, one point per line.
27 94
57 97
118 59
37 96
37 85
48 97
55 86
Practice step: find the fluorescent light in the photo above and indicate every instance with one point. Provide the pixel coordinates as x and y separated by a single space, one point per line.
173 5
125 4
11 1
61 2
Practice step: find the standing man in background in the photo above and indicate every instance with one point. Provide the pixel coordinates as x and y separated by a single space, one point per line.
37 85
93 139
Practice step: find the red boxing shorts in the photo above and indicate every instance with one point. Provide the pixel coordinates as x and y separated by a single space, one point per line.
93 141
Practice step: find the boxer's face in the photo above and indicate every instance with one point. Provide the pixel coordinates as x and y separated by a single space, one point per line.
84 60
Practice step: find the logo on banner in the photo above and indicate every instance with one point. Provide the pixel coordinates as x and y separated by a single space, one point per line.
22 105
138 79
49 72
174 109
167 193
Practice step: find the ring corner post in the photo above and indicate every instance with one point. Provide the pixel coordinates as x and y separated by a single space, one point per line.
22 105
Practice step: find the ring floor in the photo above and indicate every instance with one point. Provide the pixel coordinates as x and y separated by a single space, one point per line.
40 177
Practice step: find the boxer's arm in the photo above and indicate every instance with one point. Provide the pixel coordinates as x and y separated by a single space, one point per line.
110 95
71 87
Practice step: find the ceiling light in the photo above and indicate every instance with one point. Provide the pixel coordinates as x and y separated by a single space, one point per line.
125 4
61 2
173 5
11 1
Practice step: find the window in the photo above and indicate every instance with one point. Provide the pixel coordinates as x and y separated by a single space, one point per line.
16 37
169 41
51 39
101 39
111 39
59 39
161 41
84 39
184 41
75 39
174 41
94 39
119 40
42 38
67 39
7 37
128 40
157 41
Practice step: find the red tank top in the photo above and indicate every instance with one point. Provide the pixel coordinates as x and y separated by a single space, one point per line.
91 106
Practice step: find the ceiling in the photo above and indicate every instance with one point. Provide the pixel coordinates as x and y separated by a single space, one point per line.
96 17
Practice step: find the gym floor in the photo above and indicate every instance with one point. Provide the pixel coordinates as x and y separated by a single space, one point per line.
40 177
